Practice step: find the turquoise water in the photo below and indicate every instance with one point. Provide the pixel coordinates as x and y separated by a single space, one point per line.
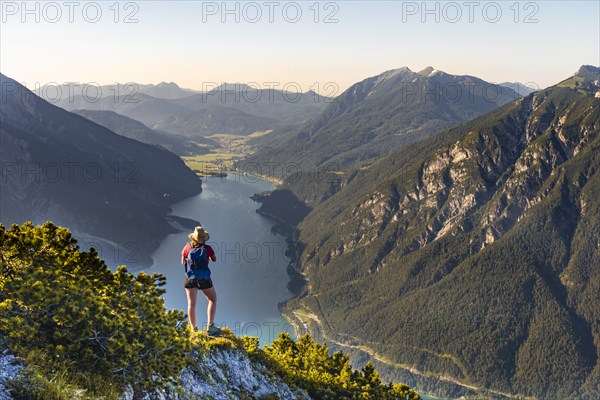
250 273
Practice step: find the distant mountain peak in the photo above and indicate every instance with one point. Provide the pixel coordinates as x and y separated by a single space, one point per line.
588 69
520 88
430 71
393 72
170 84
589 73
426 71
405 68
586 79
237 86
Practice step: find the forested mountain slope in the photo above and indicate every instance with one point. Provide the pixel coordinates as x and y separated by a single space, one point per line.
475 254
133 129
60 166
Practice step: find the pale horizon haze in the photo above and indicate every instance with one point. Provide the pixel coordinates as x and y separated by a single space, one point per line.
194 43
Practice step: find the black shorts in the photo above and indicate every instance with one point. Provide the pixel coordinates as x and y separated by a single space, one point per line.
197 283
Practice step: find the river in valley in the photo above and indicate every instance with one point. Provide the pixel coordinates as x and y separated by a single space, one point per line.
250 272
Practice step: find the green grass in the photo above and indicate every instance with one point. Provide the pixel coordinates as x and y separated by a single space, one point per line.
259 133
224 136
222 158
573 82
204 164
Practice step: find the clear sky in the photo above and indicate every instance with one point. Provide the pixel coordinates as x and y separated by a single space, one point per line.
194 43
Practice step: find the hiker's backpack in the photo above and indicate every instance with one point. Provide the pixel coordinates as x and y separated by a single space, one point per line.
197 263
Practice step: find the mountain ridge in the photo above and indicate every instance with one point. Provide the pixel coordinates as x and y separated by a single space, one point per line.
377 115
241 111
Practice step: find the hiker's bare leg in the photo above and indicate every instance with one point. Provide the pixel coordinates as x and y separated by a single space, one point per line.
192 296
211 296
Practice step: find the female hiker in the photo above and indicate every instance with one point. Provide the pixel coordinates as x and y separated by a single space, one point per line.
194 257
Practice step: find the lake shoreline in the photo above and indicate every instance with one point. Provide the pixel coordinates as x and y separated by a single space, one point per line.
298 280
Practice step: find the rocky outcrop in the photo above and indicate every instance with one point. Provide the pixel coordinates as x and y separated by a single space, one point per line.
9 370
221 374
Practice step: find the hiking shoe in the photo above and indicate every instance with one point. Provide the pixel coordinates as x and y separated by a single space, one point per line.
212 330
193 330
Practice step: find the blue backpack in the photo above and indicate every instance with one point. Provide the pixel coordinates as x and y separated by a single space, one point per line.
197 263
